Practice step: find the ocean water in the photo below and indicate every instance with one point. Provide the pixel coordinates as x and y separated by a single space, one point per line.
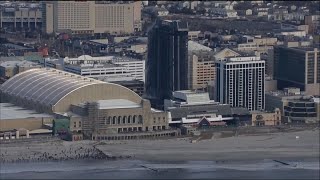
135 169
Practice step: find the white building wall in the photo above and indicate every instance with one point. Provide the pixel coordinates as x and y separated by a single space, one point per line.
136 68
241 82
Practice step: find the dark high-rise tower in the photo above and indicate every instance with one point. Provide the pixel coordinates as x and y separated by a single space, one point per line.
297 67
167 63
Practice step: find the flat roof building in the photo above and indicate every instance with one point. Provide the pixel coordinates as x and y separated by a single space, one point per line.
108 65
194 107
15 117
295 106
11 68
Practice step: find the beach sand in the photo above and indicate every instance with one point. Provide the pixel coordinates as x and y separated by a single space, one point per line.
302 144
296 145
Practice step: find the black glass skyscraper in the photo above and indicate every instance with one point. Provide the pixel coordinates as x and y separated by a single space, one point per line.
167 63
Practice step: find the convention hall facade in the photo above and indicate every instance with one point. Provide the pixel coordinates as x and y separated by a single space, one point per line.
94 109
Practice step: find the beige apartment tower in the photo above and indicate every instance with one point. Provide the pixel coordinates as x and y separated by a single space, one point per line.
88 17
202 69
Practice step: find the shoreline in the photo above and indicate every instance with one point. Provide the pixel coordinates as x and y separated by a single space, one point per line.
275 146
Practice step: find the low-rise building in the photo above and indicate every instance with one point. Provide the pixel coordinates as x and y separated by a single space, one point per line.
294 106
193 35
251 47
262 118
224 12
101 67
15 117
11 68
16 50
196 109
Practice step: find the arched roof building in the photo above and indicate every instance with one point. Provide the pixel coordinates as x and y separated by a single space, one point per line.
51 90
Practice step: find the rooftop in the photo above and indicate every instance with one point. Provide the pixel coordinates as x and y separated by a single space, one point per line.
90 66
305 48
10 111
132 82
117 104
14 46
88 58
192 97
194 46
12 58
292 96
19 63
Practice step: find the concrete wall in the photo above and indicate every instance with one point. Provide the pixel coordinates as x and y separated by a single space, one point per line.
270 85
110 121
312 89
269 118
27 123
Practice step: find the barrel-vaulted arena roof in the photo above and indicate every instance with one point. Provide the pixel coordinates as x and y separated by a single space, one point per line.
47 87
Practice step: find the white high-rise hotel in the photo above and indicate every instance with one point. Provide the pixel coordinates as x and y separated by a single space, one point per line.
240 82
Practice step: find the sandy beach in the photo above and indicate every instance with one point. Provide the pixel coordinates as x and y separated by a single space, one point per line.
302 144
291 145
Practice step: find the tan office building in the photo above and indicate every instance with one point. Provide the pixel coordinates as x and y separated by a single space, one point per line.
261 118
202 69
82 17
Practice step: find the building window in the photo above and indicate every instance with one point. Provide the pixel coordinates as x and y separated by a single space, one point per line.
119 120
140 120
109 120
129 120
74 124
114 120
79 123
134 118
124 119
